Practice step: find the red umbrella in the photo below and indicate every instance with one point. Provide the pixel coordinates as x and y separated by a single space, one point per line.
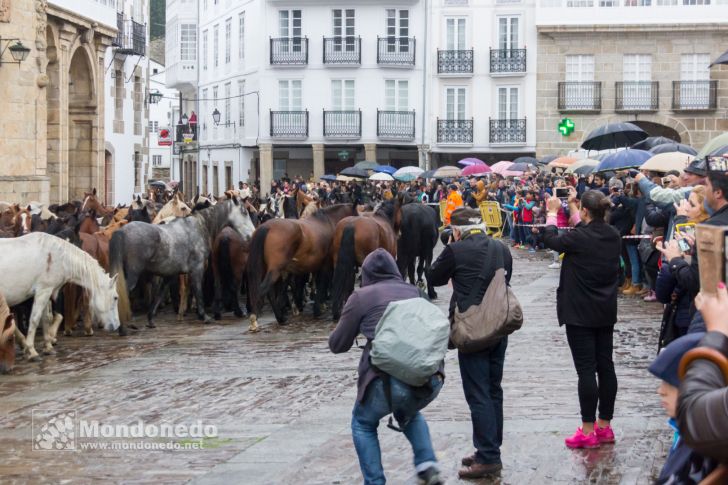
477 169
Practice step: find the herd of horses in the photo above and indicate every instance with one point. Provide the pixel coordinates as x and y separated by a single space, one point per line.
84 260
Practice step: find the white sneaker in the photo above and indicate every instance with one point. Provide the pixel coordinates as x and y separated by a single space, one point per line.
555 266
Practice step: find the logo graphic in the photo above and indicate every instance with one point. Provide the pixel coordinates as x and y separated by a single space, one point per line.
53 429
566 127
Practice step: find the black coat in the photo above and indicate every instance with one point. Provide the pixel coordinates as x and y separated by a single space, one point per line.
587 293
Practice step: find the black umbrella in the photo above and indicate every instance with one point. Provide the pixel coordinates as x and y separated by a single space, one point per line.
651 142
526 159
426 175
674 147
723 59
355 172
614 135
158 183
548 158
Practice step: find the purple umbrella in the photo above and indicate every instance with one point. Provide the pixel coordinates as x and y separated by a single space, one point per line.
476 169
471 161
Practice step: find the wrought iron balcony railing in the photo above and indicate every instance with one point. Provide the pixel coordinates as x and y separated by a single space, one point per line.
694 95
182 130
505 132
396 51
455 131
289 51
580 96
455 61
505 61
289 124
342 50
396 125
634 96
342 124
131 38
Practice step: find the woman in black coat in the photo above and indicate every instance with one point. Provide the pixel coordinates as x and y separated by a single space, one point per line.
586 303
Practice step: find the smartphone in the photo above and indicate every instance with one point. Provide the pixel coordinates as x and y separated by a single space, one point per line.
685 229
666 180
683 245
562 193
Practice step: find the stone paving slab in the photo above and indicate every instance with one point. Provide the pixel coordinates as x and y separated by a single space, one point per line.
282 402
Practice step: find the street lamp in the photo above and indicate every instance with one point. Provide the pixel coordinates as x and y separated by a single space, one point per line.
155 97
216 117
17 50
185 120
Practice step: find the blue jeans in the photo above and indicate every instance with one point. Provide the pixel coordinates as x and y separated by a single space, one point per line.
365 420
482 373
635 262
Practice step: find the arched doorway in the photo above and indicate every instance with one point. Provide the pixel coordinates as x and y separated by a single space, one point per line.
657 129
81 136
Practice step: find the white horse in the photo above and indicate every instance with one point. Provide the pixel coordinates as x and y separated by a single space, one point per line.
37 265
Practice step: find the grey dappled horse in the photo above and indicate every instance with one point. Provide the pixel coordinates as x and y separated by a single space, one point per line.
168 250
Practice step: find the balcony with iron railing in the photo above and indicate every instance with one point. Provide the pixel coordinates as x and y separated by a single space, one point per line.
506 62
636 96
694 95
396 51
456 132
131 38
289 124
187 131
507 132
342 124
455 62
289 51
396 125
580 96
342 50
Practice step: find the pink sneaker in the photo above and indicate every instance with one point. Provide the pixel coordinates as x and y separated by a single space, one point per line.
581 440
605 435
651 296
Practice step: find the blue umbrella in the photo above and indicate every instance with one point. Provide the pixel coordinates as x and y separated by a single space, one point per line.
330 178
624 159
385 168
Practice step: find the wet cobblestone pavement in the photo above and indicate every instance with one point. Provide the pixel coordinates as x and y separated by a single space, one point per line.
282 403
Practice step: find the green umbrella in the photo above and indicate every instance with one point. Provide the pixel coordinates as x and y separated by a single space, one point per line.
712 145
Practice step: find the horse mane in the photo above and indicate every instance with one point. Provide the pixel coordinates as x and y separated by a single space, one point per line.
385 209
81 265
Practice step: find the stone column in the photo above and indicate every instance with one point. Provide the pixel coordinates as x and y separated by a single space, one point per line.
318 161
266 167
423 152
370 152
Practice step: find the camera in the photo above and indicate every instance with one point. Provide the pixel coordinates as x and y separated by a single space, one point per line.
562 193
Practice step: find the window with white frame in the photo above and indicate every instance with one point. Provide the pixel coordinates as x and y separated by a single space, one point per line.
455 103
214 106
188 42
289 95
455 33
228 39
508 32
637 3
228 104
696 2
156 160
397 30
241 102
637 74
695 81
665 3
153 126
204 50
241 35
579 3
343 29
342 95
396 95
579 90
290 27
508 103
614 3
215 45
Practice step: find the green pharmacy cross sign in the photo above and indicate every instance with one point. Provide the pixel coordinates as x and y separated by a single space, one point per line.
566 127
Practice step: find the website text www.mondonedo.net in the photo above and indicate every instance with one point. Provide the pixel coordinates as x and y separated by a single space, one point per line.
141 445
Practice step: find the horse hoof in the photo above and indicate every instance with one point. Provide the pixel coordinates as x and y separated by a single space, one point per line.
123 332
238 313
68 333
132 326
151 325
88 333
34 357
253 329
217 316
49 351
207 320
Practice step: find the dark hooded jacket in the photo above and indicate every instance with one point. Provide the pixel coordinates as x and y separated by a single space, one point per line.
381 283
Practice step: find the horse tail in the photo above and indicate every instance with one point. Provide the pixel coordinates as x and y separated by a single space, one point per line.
344 272
256 268
225 268
116 267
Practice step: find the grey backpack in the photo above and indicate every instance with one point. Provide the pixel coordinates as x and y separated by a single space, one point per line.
410 341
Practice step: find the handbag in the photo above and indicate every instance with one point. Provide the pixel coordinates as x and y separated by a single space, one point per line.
499 313
668 329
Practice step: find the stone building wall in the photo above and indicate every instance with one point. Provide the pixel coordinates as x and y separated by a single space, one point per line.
608 44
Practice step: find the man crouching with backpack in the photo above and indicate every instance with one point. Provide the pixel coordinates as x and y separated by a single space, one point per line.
380 394
463 261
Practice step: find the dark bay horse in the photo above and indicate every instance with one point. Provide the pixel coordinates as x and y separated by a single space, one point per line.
283 247
417 240
354 238
229 261
168 250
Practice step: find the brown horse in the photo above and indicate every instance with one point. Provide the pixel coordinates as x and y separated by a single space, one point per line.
88 224
91 203
22 221
354 238
283 247
7 337
229 260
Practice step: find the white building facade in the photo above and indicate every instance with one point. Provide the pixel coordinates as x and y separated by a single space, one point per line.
126 115
163 115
